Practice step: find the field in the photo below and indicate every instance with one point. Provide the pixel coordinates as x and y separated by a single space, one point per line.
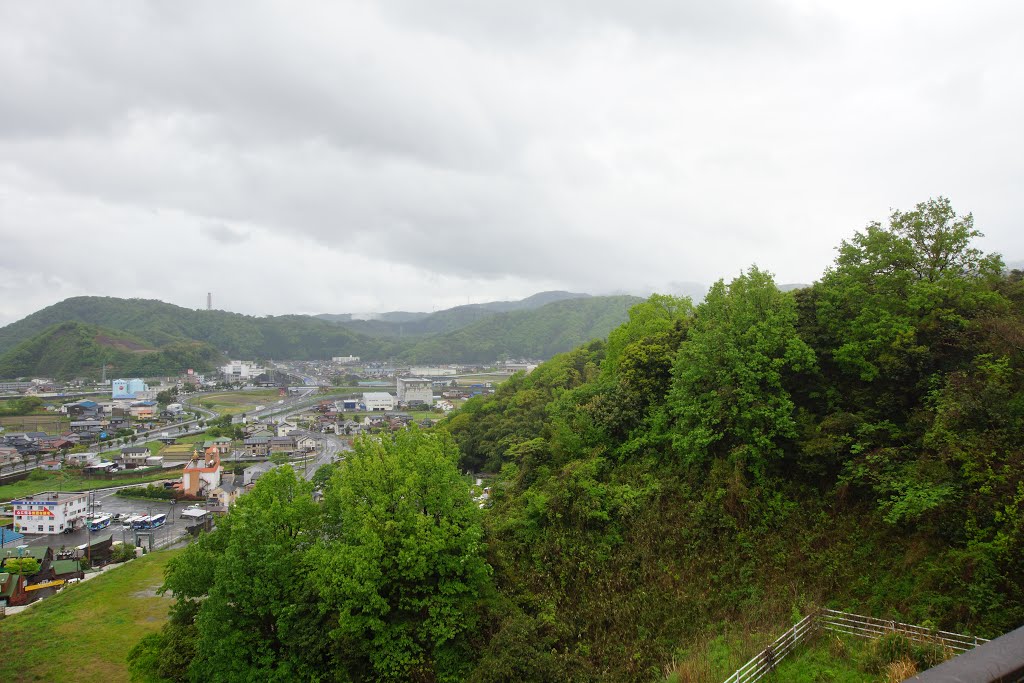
234 402
85 632
154 447
482 378
50 423
59 481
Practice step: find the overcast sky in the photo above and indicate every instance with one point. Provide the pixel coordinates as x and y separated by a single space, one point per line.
402 154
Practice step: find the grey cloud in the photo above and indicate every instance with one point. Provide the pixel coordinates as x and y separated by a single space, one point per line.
224 234
588 145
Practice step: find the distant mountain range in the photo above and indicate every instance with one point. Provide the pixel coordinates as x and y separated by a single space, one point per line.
401 323
149 337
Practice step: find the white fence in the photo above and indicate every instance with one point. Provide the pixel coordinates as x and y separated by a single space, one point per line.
764 662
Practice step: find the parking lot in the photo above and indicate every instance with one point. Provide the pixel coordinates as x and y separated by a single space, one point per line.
111 504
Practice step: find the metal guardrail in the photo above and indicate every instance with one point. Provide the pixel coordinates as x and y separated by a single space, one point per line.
764 662
870 627
1000 660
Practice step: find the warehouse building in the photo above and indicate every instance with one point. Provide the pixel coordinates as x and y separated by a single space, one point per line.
415 391
378 400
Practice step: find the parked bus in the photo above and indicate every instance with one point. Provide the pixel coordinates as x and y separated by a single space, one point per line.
99 522
156 521
140 522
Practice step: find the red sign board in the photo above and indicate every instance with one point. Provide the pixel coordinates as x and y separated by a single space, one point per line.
42 512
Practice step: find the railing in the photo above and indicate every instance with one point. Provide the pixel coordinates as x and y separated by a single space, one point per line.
870 627
764 662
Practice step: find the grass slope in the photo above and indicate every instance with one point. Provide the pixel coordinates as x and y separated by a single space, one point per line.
85 632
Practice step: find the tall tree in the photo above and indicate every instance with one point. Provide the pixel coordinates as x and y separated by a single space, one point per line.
729 396
401 572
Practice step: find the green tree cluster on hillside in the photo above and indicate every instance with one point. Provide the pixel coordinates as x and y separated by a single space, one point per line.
142 337
858 442
69 349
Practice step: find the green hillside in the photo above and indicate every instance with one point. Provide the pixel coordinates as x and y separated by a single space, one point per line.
401 324
539 333
71 349
158 323
29 344
665 502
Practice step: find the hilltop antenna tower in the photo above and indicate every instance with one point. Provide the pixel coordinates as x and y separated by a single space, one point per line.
209 301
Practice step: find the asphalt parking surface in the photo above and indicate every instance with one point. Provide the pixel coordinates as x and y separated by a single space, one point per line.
111 504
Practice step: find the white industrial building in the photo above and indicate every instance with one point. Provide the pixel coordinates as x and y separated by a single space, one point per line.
433 371
240 370
128 388
345 360
50 512
378 400
415 391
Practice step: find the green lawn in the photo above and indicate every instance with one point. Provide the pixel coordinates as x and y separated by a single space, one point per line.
234 402
154 447
56 481
84 632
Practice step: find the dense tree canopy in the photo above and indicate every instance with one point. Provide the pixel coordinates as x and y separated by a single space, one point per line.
382 581
857 444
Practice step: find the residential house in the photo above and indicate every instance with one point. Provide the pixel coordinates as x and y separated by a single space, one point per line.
257 446
221 443
9 456
82 409
143 410
225 494
285 428
50 465
134 456
12 590
67 569
282 444
304 441
252 473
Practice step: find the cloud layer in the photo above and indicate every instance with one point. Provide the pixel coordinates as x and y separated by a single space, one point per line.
355 156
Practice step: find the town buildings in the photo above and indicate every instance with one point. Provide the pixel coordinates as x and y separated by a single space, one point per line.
128 388
415 391
240 370
202 474
50 512
378 400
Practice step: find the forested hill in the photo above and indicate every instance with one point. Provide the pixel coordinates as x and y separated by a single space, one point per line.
537 333
400 323
69 349
857 444
158 323
705 474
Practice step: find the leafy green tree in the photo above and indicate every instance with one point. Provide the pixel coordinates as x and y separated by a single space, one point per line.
402 571
322 477
730 395
22 566
255 613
